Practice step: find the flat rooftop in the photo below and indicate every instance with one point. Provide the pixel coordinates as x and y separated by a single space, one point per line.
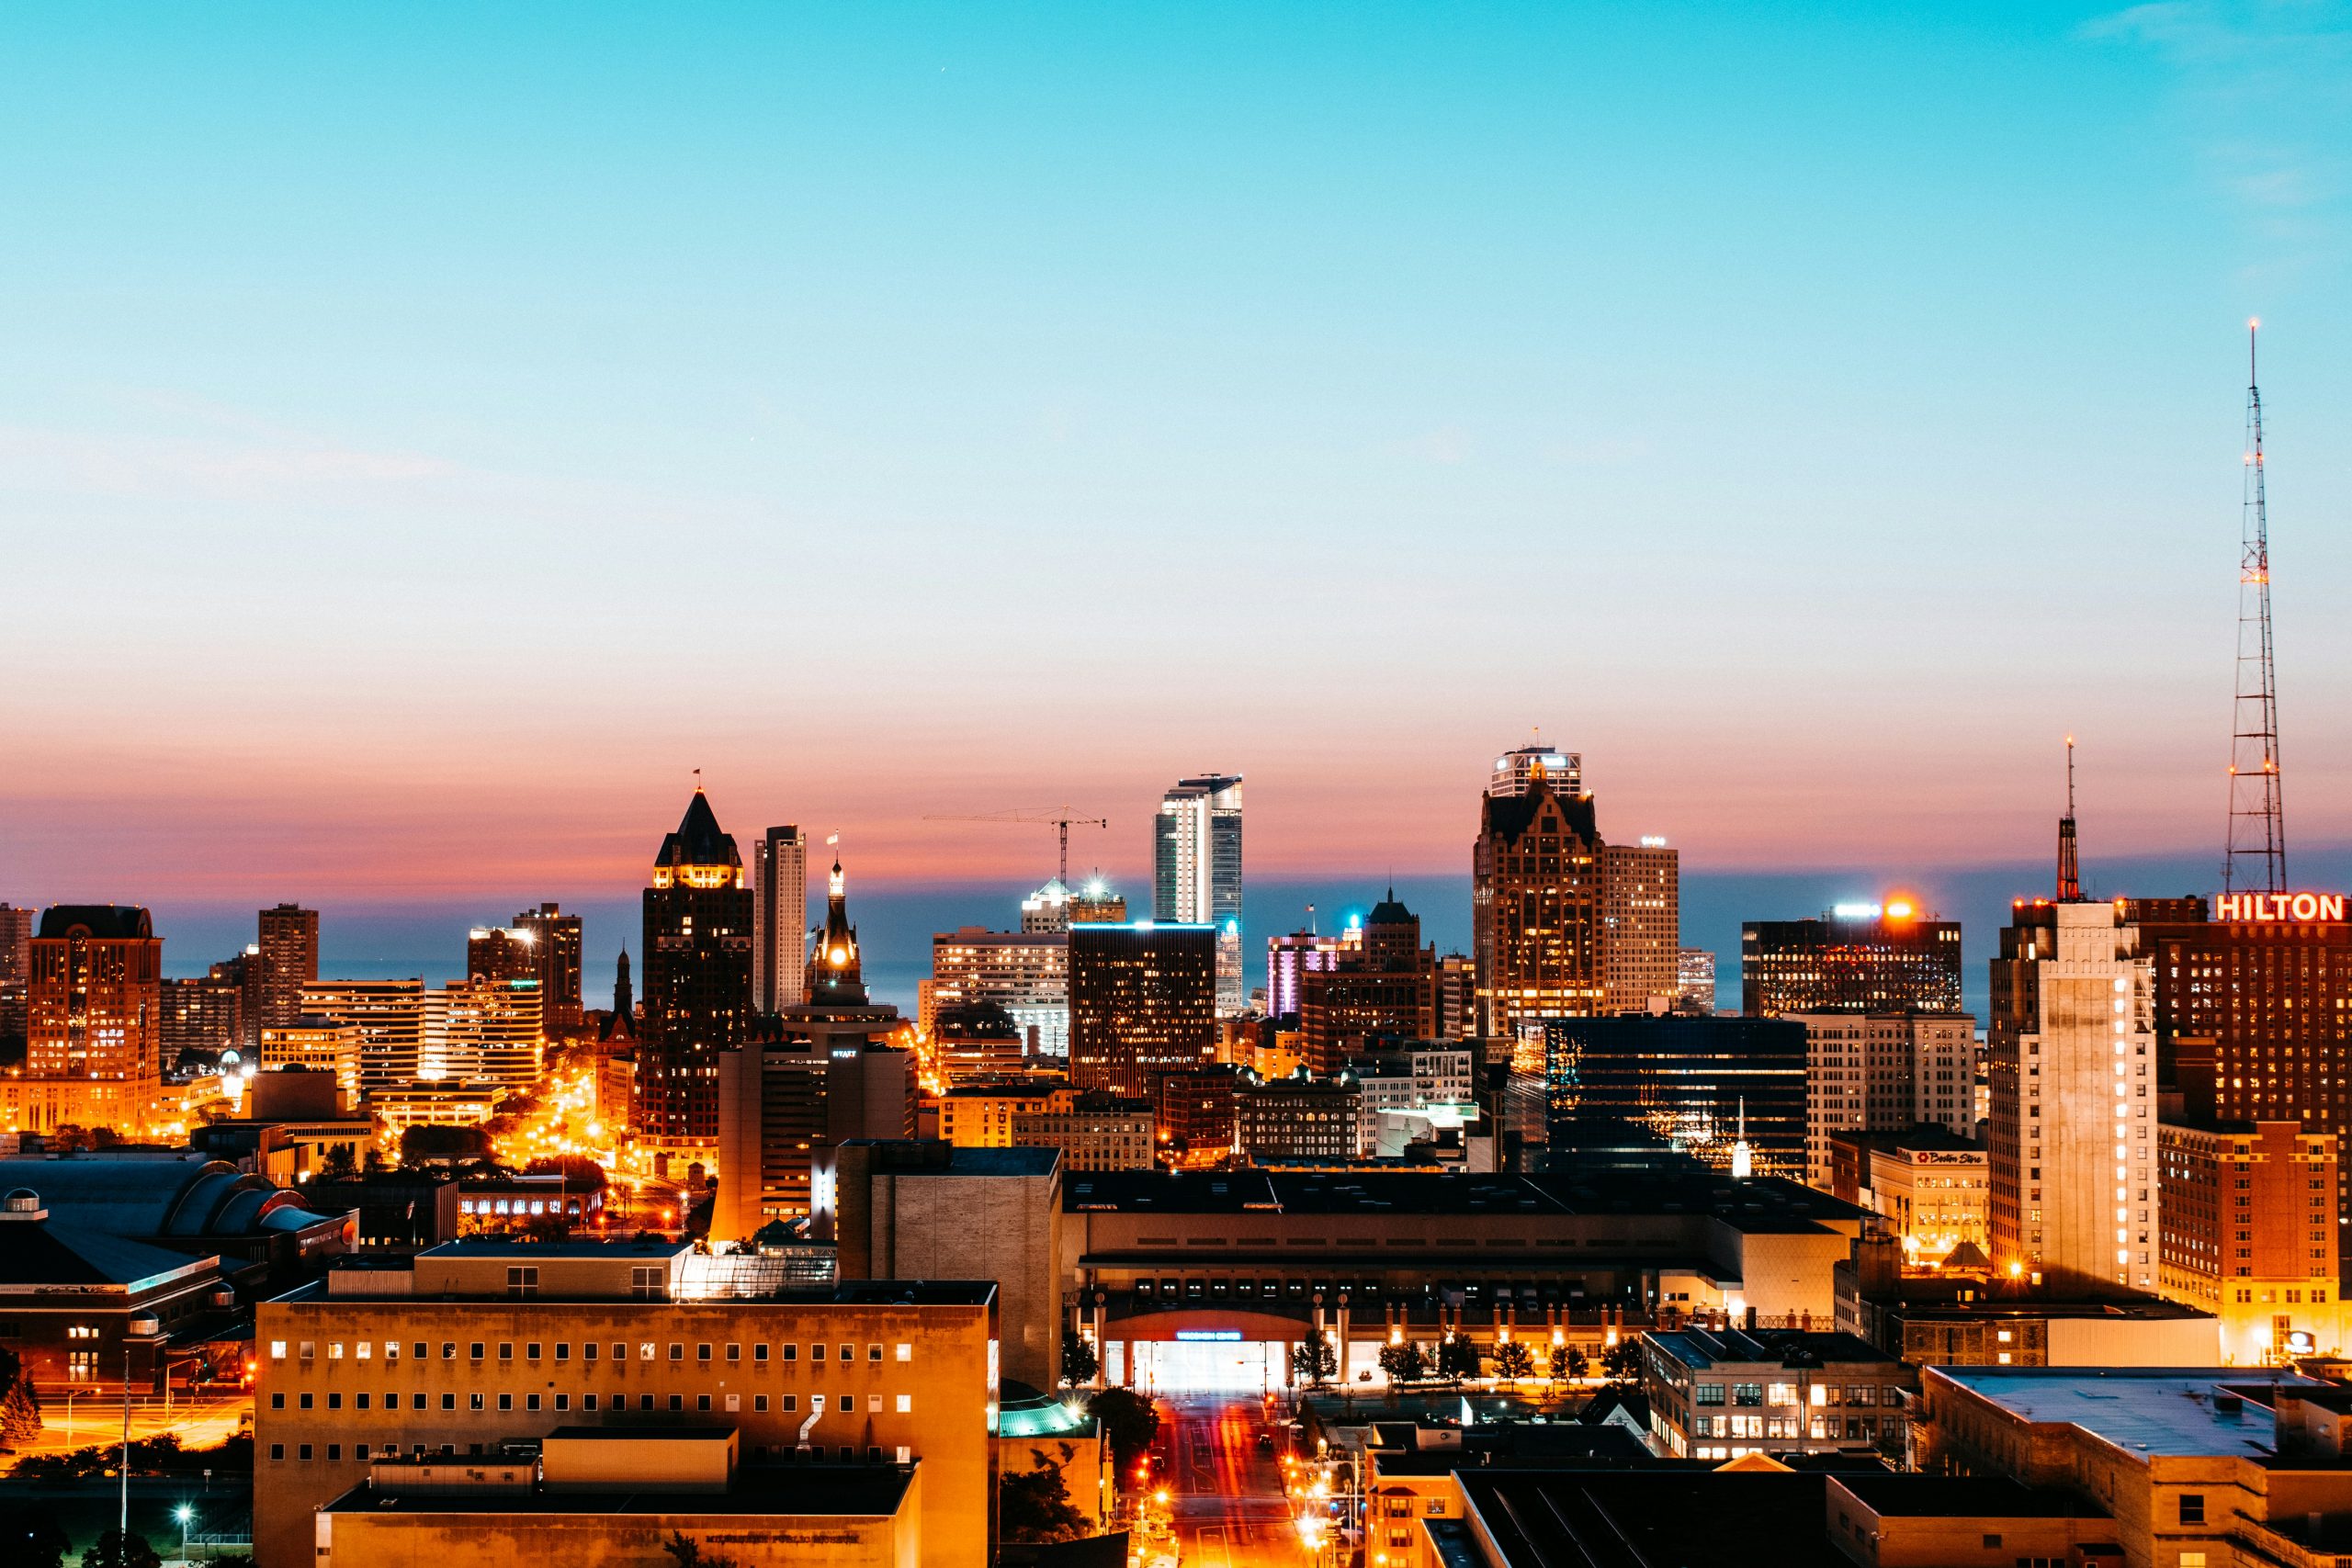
568 1246
1892 1495
849 1292
1767 1204
1769 1347
2156 1411
827 1491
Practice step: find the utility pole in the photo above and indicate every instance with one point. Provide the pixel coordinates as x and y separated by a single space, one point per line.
2255 858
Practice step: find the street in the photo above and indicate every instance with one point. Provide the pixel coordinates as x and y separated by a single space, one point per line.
1227 1497
201 1420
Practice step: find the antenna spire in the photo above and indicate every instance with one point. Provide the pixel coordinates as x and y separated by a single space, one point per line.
2254 859
2070 876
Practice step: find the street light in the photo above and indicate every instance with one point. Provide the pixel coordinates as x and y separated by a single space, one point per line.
184 1513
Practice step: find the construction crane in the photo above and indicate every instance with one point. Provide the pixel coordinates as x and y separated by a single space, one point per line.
1043 816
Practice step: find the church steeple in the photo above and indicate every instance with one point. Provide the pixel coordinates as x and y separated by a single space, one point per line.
834 976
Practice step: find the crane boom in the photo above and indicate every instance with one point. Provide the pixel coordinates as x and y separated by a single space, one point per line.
1041 816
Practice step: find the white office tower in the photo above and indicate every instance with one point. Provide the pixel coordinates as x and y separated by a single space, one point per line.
1025 972
482 1031
2072 1063
1196 872
1047 910
780 918
1514 770
1884 1072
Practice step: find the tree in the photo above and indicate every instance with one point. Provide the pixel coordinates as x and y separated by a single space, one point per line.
116 1550
339 1161
1556 1367
1622 1363
1033 1505
1513 1362
1129 1421
1080 1363
579 1172
1457 1357
20 1415
1313 1361
29 1534
1579 1364
1403 1363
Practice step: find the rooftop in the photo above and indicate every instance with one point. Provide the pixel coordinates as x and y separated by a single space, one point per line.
2153 1411
1776 1347
1892 1495
852 1491
1769 1204
568 1246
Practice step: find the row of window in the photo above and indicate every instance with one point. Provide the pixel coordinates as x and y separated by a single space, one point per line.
1820 1428
646 1350
845 1405
1786 1393
305 1452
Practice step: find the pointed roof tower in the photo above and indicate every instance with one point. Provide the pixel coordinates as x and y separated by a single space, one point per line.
835 978
700 854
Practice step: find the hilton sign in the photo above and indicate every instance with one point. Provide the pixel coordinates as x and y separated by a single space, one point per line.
2255 907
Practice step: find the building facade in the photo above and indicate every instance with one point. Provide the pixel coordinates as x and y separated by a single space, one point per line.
1882 1072
1142 1002
780 918
1726 1394
482 1031
92 1020
1197 871
1299 1118
1694 981
1640 926
695 977
1094 1130
1536 907
1703 1084
2071 1059
2250 1235
1857 958
288 954
388 1018
1025 972
555 937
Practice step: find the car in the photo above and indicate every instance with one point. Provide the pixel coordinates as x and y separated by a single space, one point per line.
1265 1442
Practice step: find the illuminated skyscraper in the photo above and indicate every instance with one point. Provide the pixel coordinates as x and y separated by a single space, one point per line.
482 1031
557 935
780 918
1857 958
1640 926
697 977
93 1017
387 1016
2071 1060
1025 972
1535 903
1290 958
1142 1002
501 952
1695 981
1516 772
1197 871
288 952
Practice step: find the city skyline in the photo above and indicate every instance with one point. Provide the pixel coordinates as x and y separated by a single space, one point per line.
1880 404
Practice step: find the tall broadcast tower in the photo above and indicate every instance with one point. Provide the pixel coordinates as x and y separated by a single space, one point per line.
2256 861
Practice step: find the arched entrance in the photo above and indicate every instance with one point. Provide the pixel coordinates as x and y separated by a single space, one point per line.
1202 1349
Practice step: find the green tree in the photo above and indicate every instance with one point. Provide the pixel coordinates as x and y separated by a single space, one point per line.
30 1535
1579 1364
1622 1363
1404 1362
1080 1363
579 1173
1513 1362
339 1161
1313 1361
116 1550
1457 1357
1033 1505
1556 1366
1129 1421
20 1416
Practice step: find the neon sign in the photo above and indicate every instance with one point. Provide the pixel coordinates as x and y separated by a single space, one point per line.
1197 1334
2259 907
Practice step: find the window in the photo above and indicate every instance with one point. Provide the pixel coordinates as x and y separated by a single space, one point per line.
677 1401
760 1404
788 1352
702 1402
734 1352
1748 1393
620 1352
873 1352
474 1401
303 1453
906 1404
506 1350
530 1401
1992 1543
305 1402
278 1402
677 1351
522 1281
702 1353
335 1351
649 1283
787 1403
562 1400
475 1350
335 1402
563 1351
334 1451
645 1351
2192 1507
906 1352
359 1402
2190 1559
849 1352
760 1354
1708 1393
278 1450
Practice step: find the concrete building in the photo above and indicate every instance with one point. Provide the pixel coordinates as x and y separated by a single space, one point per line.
1143 1003
486 1342
556 938
2075 1190
780 918
1299 1118
2250 1235
611 1495
1727 1393
981 1115
315 1044
1855 958
1025 972
388 1018
1094 1130
1197 871
2201 1467
927 1211
94 1015
1195 1118
1884 1072
1930 1187
485 1031
787 1105
288 960
1640 926
1694 981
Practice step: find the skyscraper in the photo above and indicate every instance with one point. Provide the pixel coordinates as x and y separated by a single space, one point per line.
780 918
1856 958
1290 958
1025 972
1641 925
1197 871
556 936
1385 985
93 1007
1142 1002
2071 1056
1535 901
501 952
16 960
388 1018
1515 771
697 975
1885 1072
288 951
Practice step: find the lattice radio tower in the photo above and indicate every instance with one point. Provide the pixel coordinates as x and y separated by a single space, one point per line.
2256 861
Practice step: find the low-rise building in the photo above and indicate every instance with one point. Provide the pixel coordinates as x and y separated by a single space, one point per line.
1299 1118
1725 1393
486 1343
1931 1186
1094 1130
1196 1114
980 1115
2249 1234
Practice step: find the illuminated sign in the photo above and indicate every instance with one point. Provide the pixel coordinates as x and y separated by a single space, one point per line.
1222 1336
2251 908
1856 911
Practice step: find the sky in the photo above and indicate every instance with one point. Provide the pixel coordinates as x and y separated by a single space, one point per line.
428 434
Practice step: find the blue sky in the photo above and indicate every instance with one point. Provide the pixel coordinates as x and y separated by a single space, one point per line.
425 434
